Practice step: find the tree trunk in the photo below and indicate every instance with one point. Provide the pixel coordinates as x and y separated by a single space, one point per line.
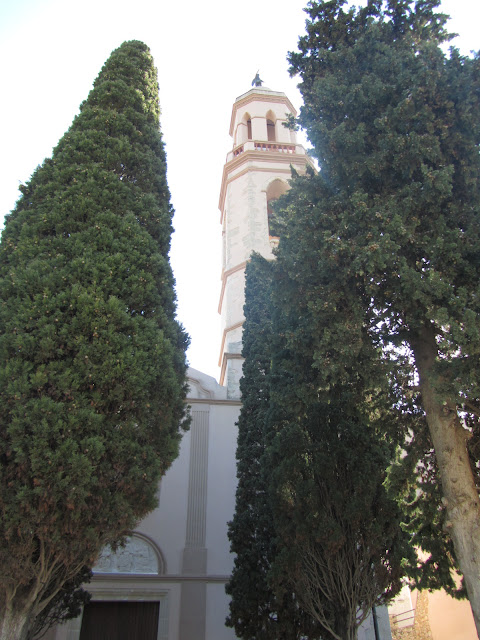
344 630
14 625
461 498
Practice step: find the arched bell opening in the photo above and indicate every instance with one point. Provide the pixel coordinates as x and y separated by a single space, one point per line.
244 130
271 127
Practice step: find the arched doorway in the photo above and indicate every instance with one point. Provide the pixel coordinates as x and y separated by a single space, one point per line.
118 613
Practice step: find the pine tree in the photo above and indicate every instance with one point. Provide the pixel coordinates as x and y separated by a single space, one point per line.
392 221
92 382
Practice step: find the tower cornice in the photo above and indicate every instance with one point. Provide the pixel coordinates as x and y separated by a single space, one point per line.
265 152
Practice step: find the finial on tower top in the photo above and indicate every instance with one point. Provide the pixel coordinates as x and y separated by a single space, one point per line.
257 81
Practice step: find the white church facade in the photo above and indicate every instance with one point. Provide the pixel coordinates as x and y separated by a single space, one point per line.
168 583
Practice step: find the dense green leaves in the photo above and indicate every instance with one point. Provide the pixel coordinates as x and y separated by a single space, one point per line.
92 380
332 421
260 608
383 243
394 124
317 539
252 612
375 316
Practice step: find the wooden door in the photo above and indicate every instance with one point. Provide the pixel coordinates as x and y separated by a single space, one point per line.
120 621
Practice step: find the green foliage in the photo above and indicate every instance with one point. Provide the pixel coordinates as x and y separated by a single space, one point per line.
92 381
332 421
394 122
414 480
382 245
311 467
377 274
256 610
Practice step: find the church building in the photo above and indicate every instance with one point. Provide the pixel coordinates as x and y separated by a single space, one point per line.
168 582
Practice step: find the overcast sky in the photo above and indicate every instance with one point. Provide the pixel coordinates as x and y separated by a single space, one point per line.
207 54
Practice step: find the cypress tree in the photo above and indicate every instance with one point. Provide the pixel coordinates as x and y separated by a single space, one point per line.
93 366
392 221
338 532
260 608
317 539
333 437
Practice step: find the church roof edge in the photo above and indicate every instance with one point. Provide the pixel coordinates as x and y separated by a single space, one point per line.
203 386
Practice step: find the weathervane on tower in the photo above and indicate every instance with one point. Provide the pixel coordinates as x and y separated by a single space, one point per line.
257 81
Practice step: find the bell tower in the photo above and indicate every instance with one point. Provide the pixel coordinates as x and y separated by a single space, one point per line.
256 172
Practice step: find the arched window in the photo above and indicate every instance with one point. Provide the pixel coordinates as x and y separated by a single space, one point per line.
271 127
138 555
270 131
244 130
274 190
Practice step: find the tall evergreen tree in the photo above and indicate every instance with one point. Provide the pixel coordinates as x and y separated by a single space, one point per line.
258 610
317 540
92 377
392 221
338 532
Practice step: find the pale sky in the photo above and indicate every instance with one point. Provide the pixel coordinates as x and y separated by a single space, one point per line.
207 54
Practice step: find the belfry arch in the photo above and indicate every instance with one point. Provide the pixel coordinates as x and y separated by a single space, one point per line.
249 126
271 127
243 132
